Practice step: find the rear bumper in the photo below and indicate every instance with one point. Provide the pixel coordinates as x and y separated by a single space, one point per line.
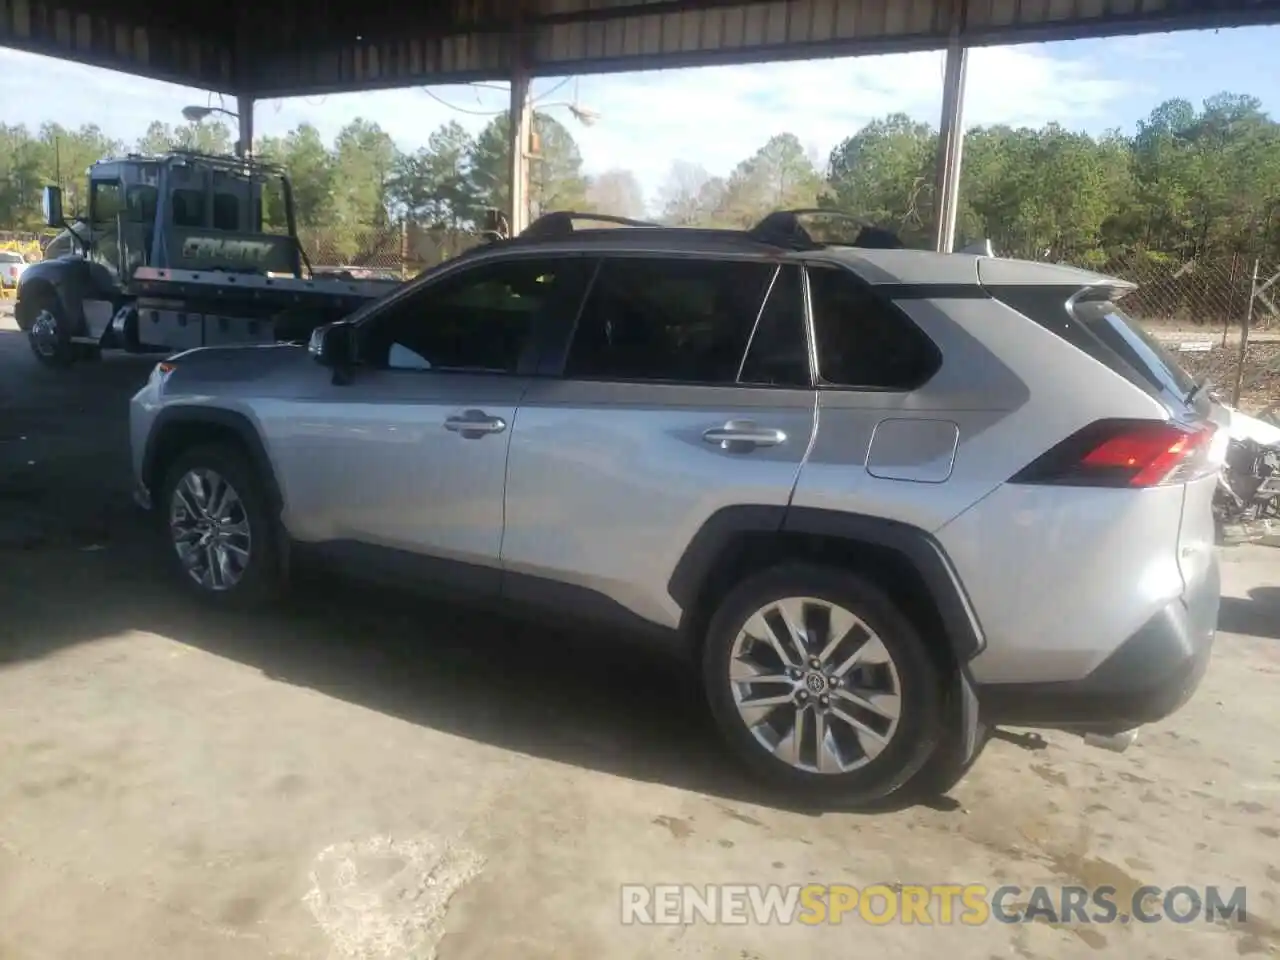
1148 677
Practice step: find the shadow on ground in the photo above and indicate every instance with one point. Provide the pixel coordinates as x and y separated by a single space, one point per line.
1259 616
77 564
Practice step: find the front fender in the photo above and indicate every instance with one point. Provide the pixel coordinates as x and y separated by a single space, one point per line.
72 280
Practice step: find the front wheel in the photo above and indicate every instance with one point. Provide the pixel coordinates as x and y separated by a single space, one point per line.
222 540
821 684
47 332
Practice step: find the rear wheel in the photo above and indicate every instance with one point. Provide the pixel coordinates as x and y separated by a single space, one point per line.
948 765
821 685
217 517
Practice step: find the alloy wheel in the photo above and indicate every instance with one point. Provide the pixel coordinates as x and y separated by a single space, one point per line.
210 529
815 685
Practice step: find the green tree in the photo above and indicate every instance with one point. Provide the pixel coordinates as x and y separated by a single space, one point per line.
363 161
434 185
885 174
555 173
207 136
779 176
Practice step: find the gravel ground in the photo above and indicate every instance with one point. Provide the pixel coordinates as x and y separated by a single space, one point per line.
361 775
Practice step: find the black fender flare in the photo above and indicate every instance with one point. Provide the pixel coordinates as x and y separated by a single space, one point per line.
181 419
715 541
72 280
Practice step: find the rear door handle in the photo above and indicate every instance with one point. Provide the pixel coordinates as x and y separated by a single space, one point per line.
738 434
474 424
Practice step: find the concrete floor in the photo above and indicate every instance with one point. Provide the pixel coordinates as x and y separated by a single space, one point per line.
367 776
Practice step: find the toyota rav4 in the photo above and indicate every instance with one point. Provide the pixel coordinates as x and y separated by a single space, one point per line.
883 500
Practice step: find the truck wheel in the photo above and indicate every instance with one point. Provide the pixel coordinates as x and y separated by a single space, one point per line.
821 685
217 518
48 334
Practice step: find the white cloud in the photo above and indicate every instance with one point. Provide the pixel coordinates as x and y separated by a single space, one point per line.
712 116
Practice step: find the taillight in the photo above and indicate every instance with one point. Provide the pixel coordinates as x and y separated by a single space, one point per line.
1125 453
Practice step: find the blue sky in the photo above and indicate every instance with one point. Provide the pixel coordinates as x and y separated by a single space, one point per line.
717 116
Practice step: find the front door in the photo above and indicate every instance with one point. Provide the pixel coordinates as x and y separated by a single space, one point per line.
403 469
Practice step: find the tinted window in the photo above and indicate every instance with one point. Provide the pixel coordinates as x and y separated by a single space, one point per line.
188 208
479 319
226 211
107 201
141 204
1100 329
668 319
779 351
1139 349
862 341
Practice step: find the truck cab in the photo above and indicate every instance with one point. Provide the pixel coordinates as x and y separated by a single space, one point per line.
191 211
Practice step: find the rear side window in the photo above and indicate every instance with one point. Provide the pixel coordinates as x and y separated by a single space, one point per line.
1139 349
1103 331
669 319
188 207
862 340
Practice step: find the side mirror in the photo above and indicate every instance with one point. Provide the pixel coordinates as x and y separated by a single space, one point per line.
330 345
52 204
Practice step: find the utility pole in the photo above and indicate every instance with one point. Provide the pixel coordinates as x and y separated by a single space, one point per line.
244 114
521 128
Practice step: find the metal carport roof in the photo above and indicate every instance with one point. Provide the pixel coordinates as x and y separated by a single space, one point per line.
274 48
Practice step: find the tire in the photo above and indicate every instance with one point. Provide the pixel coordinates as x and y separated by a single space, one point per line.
854 773
947 766
47 332
259 580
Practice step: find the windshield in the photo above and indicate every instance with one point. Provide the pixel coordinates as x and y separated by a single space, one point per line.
7 257
1139 348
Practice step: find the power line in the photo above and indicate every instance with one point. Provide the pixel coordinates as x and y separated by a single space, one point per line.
454 106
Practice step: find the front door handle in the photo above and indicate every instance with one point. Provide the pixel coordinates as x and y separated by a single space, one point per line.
474 424
743 434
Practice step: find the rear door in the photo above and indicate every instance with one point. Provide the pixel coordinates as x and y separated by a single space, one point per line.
683 388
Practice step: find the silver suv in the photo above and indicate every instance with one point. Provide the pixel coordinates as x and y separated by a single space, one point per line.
883 499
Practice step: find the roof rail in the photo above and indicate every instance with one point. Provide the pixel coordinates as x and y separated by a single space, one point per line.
783 228
560 224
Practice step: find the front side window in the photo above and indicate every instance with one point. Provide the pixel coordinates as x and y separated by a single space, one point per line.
863 341
668 319
106 201
480 319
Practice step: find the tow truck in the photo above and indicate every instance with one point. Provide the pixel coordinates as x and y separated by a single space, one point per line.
179 251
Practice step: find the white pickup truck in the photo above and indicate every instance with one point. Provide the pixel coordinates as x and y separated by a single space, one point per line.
11 266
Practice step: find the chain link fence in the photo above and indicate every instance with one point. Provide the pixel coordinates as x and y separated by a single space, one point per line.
398 250
1214 314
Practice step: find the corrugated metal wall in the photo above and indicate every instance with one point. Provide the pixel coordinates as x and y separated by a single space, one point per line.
139 45
469 39
288 47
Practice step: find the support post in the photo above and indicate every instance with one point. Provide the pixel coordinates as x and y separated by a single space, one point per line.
950 143
1238 388
244 142
521 127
